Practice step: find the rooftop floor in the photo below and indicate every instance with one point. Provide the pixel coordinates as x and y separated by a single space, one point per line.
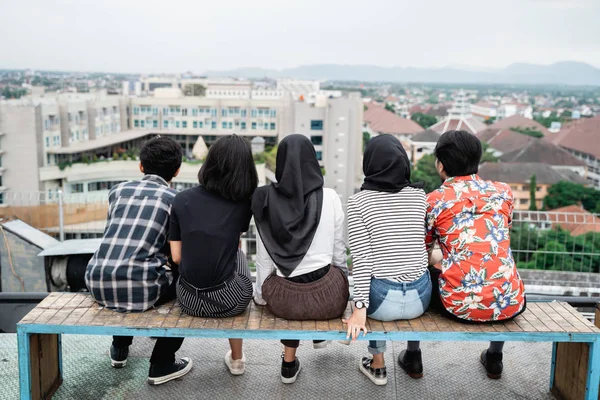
452 371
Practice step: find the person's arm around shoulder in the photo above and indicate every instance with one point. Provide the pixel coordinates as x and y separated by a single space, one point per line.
340 258
175 234
264 268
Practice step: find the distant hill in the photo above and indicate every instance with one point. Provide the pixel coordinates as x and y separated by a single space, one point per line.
560 73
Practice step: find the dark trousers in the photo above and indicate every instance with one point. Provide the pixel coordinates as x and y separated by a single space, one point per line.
306 278
164 348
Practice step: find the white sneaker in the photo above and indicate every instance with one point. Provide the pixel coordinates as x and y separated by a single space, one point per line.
345 342
321 345
236 367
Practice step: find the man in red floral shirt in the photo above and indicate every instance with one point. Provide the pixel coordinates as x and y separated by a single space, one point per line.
470 219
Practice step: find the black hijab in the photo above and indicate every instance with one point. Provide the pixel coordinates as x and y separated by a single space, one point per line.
287 213
386 166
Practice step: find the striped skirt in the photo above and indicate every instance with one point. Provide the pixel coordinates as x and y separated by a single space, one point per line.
225 300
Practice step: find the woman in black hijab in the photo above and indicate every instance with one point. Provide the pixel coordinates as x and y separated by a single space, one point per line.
301 254
389 261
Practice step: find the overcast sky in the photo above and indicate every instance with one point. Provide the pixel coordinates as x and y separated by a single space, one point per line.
196 35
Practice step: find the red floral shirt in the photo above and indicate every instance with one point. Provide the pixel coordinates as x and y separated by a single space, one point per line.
471 218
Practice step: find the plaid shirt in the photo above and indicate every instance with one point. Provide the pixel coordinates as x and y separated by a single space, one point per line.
127 272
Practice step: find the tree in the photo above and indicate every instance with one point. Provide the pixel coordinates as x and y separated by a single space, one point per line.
366 138
528 131
532 192
566 193
487 156
424 120
390 107
425 172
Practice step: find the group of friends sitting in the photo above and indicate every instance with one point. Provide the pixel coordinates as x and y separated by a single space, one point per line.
160 245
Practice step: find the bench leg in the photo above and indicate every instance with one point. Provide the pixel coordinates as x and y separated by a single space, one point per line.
593 375
553 365
40 365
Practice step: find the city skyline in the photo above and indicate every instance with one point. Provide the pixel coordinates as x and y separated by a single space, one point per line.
145 37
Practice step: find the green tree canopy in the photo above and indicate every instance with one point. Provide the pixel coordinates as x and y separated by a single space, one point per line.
425 172
424 120
532 192
566 193
390 107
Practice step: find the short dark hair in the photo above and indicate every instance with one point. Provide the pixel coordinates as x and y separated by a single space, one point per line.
459 152
229 169
161 156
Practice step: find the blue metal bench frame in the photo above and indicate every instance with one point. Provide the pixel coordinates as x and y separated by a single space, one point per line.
25 330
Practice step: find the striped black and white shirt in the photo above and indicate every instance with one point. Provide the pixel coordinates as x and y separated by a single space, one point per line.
386 232
127 272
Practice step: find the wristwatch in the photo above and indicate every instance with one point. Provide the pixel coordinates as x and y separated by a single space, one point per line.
359 304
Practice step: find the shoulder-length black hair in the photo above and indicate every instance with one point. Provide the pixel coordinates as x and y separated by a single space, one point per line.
229 169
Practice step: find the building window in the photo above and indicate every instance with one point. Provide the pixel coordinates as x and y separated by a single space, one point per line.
523 201
165 111
223 112
142 122
155 123
76 187
230 125
254 112
224 125
184 123
319 155
316 125
195 124
155 111
254 125
47 142
136 124
176 124
272 126
200 124
213 125
273 113
165 124
316 140
243 125
184 112
213 112
136 110
98 186
243 112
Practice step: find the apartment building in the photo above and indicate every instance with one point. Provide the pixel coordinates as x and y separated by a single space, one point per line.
85 143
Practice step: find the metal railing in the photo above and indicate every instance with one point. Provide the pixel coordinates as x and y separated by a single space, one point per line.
558 241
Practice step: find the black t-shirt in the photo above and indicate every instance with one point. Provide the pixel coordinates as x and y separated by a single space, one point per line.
209 229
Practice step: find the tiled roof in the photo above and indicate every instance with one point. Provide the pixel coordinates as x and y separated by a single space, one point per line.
540 151
469 124
574 219
581 135
522 172
381 120
504 140
518 121
426 136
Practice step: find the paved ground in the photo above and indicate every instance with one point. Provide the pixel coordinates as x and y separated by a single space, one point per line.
452 371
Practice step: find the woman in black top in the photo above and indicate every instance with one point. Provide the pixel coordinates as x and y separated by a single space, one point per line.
206 224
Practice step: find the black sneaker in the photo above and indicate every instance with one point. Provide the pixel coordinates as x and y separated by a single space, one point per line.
411 363
289 374
492 363
163 373
118 356
377 375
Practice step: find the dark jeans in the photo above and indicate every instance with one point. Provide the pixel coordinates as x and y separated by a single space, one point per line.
164 348
306 278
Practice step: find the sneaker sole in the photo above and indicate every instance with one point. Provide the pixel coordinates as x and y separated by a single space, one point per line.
410 374
170 377
236 372
377 381
117 364
287 381
321 345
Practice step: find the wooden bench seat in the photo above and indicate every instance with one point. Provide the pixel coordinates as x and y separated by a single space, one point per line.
40 364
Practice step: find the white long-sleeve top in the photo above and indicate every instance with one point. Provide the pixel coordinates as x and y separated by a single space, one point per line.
386 232
328 246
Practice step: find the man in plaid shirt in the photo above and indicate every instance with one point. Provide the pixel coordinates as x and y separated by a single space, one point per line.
129 272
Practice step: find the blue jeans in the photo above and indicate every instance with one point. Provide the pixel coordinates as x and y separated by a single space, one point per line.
391 301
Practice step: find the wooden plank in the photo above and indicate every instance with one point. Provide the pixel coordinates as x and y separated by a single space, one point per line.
32 316
172 316
67 310
185 321
336 324
50 378
416 325
226 323
102 317
570 318
429 323
89 314
443 324
512 326
131 319
487 327
533 320
267 320
500 327
542 316
389 326
582 322
403 325
240 322
557 318
62 301
309 325
570 370
255 316
294 325
197 323
49 300
524 324
323 326
375 326
45 316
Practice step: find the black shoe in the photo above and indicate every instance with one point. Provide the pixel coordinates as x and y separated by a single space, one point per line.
411 363
289 374
163 373
377 375
492 363
118 356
